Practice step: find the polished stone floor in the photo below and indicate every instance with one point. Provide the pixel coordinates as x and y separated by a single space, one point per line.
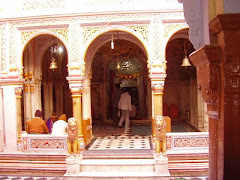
62 178
121 142
100 129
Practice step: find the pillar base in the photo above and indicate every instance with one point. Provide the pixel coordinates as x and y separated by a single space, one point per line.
161 165
73 164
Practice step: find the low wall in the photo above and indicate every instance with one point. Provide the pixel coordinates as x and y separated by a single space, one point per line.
44 143
189 142
177 143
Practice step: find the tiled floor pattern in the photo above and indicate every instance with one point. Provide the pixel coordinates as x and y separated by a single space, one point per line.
121 142
136 137
62 178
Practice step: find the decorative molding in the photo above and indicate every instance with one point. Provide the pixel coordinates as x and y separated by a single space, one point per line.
188 141
62 33
69 28
43 4
171 27
4 48
143 30
44 143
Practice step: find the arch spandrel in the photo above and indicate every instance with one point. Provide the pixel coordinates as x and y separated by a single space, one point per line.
138 34
3 45
170 30
61 34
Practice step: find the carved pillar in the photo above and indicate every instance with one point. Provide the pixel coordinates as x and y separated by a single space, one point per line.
142 107
76 86
48 100
1 122
87 117
207 62
157 77
218 69
18 93
59 98
10 118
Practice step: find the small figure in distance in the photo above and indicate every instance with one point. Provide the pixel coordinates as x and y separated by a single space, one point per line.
125 106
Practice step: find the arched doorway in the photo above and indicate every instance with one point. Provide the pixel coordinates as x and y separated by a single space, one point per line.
45 89
125 64
182 98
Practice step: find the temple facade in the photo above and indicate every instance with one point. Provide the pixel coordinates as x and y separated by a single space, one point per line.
65 57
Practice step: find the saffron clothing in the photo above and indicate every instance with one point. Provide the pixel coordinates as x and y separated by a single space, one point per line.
37 126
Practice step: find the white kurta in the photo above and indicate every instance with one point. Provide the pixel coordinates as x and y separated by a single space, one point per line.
59 128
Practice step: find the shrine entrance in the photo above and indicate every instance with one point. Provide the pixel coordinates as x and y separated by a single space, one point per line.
45 70
124 64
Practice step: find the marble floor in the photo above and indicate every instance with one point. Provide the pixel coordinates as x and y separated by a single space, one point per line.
62 178
109 137
121 142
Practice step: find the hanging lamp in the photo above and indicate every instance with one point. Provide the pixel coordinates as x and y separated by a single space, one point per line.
185 62
53 64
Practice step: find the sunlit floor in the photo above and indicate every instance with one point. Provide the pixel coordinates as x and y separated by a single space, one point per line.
62 178
137 137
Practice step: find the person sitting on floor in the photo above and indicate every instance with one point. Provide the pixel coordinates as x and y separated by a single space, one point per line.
60 126
50 121
37 124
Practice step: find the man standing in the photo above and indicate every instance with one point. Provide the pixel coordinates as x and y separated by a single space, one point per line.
37 125
125 105
115 99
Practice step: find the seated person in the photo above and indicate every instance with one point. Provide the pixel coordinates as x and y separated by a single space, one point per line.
37 124
60 126
50 121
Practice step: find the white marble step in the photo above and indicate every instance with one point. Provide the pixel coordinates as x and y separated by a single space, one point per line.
117 165
117 176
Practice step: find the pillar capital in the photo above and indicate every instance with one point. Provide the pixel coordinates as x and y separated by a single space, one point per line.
76 69
76 84
157 82
157 70
18 91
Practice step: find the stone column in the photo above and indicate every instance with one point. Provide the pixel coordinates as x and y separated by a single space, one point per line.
59 98
87 117
48 100
218 69
207 62
157 82
76 86
10 118
18 93
1 122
